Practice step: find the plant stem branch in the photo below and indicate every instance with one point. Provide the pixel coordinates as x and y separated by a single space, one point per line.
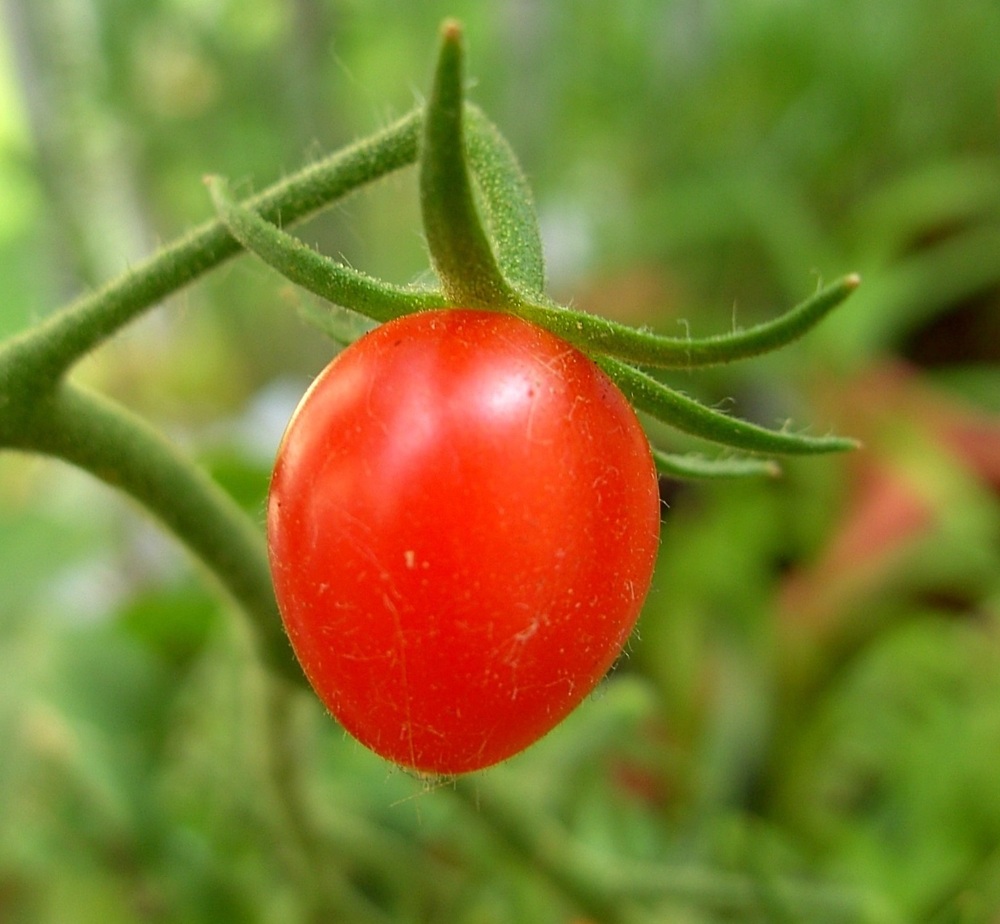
52 347
119 448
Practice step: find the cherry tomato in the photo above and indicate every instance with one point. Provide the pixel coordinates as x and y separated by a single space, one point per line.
462 524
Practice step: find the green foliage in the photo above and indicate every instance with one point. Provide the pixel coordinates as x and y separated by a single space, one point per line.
805 728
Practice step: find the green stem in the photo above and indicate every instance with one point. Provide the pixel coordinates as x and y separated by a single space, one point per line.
46 351
122 450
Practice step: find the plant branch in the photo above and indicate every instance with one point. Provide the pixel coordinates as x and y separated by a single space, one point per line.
47 351
95 434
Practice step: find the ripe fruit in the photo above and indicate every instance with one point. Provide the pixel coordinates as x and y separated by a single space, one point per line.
462 525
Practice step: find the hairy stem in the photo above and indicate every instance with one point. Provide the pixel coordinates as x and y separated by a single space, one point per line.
122 450
49 349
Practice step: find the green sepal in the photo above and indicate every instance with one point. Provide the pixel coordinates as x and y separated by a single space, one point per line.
689 416
340 324
459 247
507 204
695 467
600 335
342 285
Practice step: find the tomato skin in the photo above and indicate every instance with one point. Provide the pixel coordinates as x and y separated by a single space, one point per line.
462 525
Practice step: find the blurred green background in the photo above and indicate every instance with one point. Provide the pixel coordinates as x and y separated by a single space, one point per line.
807 724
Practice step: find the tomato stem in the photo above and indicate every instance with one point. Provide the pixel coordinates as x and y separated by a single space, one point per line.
45 352
117 447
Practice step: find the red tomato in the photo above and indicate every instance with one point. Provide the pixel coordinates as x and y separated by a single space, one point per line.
462 526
